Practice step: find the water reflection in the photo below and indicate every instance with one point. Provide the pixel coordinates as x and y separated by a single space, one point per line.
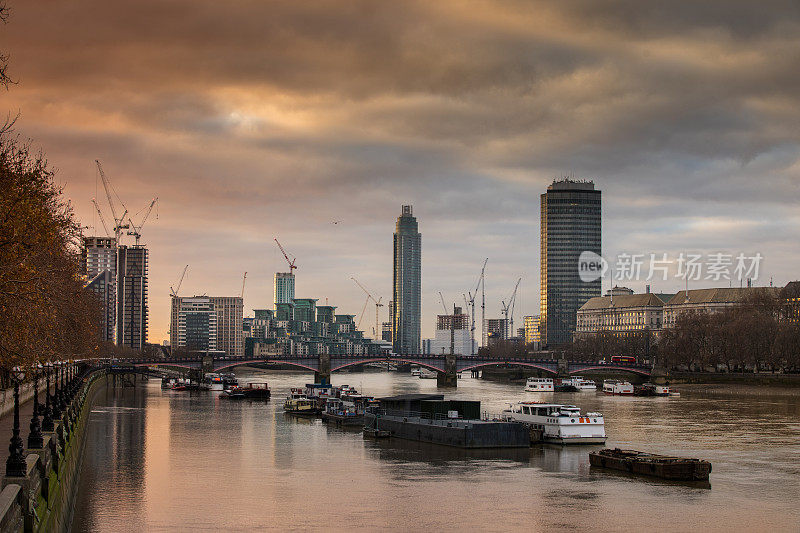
178 461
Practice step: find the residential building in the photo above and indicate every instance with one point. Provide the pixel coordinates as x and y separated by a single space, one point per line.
462 341
386 332
708 300
99 265
570 225
283 288
531 331
406 308
496 330
132 311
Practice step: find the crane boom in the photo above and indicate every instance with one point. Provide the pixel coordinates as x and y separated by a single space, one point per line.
136 231
292 266
100 214
378 305
244 278
118 226
443 305
180 282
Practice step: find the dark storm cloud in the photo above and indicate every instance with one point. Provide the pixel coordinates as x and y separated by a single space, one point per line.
252 119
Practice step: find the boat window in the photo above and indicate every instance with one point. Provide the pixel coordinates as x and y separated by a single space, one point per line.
526 410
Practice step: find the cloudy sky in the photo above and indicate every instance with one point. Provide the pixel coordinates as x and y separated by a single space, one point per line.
255 119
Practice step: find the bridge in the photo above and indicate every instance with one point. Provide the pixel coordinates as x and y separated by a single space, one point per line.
446 366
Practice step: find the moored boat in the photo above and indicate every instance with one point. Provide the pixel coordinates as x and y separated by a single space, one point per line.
426 373
650 464
560 424
650 389
616 386
539 385
580 383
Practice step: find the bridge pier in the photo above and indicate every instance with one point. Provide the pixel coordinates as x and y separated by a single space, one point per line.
323 375
448 378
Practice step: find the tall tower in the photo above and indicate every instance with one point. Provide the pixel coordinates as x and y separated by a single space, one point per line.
406 309
571 218
99 265
132 296
283 289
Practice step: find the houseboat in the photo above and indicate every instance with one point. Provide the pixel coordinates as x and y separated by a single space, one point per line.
539 385
615 386
580 383
559 424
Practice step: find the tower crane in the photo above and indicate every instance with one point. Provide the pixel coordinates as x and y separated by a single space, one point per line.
180 282
443 304
471 304
511 300
378 306
136 230
292 266
244 278
100 214
118 221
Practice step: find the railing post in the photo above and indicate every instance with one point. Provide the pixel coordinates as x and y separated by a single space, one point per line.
15 464
35 439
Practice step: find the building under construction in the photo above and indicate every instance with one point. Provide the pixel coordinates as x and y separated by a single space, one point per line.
132 308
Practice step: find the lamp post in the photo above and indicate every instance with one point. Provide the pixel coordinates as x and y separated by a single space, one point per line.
35 439
47 419
56 401
15 464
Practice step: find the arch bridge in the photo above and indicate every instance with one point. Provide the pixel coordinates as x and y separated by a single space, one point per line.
446 366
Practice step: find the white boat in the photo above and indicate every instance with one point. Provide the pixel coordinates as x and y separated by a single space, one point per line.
580 383
415 370
539 385
561 424
615 386
426 373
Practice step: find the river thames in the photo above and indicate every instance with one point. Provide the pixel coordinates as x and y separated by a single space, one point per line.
161 460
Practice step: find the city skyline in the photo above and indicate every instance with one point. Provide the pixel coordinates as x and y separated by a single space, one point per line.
306 135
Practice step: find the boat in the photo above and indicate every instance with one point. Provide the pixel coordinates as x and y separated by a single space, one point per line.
251 391
560 424
615 386
580 383
215 381
650 464
347 412
539 385
426 373
650 389
415 370
300 406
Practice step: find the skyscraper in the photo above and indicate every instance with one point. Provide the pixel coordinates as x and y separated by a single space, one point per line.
283 290
570 213
407 284
208 323
132 296
99 265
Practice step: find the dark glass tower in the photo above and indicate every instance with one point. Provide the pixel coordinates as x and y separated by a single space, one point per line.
407 284
570 225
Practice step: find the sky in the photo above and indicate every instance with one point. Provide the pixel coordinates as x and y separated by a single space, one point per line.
314 121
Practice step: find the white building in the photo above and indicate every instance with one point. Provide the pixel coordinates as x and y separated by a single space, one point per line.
462 341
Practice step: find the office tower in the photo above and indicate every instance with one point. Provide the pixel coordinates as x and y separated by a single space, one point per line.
531 331
406 284
132 296
570 214
193 324
208 323
283 289
99 265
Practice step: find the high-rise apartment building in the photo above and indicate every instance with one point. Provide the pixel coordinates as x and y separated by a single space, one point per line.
283 289
99 265
208 323
406 308
132 296
496 330
570 225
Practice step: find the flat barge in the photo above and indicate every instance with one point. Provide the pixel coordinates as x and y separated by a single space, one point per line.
650 464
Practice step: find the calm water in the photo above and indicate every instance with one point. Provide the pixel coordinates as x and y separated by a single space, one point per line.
162 460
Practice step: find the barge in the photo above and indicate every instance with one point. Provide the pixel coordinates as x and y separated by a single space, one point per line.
650 464
431 419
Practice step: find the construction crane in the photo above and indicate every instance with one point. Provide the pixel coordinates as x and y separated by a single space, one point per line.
244 278
443 304
100 214
471 304
136 230
180 282
511 300
291 261
118 221
378 306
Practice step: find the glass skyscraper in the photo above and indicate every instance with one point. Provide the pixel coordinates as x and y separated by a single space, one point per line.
283 289
407 284
570 225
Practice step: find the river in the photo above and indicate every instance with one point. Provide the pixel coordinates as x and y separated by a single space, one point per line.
162 460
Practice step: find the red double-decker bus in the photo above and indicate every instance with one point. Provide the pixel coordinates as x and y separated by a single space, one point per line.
623 359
